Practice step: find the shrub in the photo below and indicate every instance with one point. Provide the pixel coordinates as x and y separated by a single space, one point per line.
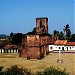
53 71
1 72
14 70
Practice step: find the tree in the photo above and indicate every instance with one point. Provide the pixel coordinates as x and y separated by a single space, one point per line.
72 38
56 33
68 32
66 28
61 36
10 37
11 34
17 39
33 31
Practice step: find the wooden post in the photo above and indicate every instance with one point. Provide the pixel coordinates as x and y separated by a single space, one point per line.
44 50
59 54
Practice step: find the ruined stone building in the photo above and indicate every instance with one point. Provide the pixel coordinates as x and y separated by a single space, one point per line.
35 46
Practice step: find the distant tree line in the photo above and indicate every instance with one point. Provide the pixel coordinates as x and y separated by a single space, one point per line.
16 38
65 34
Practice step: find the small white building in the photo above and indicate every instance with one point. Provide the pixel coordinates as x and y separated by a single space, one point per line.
58 45
70 46
9 49
62 45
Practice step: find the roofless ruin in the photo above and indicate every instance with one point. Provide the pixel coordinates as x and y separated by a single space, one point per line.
35 46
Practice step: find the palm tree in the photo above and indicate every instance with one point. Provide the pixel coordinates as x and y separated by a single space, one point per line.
68 32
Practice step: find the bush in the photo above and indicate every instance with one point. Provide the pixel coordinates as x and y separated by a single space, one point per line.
14 70
53 71
1 72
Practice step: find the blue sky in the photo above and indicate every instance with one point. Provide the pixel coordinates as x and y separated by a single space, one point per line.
20 15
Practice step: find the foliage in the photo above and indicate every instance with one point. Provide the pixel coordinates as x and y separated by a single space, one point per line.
33 31
1 72
15 70
56 33
67 35
61 36
53 71
16 38
72 39
11 34
68 31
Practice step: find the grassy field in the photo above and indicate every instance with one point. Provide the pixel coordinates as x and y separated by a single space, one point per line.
8 60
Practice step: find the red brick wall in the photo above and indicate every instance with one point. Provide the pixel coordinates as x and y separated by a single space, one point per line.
23 53
23 48
44 22
34 46
33 40
44 40
33 53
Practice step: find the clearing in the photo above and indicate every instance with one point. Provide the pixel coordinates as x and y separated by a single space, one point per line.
8 60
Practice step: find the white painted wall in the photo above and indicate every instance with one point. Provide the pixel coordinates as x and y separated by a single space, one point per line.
9 51
69 48
12 51
17 50
56 48
51 47
0 50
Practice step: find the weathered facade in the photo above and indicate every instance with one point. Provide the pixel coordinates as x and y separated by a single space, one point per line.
35 46
42 25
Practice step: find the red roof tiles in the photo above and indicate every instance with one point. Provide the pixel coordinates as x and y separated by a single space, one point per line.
10 47
64 42
70 44
60 42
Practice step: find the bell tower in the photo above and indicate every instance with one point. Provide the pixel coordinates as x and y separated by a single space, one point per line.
42 25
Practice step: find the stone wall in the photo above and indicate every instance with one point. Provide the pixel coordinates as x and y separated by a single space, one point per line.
35 46
33 40
42 25
33 53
